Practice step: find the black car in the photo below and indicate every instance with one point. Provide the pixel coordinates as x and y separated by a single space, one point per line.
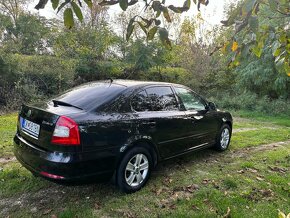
121 128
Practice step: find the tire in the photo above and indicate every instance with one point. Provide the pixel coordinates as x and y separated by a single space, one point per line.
223 138
134 170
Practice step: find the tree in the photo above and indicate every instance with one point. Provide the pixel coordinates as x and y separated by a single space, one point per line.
28 36
12 8
149 26
244 18
259 24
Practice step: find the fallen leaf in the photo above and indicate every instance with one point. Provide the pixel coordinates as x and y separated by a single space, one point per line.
146 209
53 216
281 214
97 206
158 192
235 46
252 170
172 206
192 188
277 169
46 211
205 181
266 192
228 214
259 178
194 207
240 171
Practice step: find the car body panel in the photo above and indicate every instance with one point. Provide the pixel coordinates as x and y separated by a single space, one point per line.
109 130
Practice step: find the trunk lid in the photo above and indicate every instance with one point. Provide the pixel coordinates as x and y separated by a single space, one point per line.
36 125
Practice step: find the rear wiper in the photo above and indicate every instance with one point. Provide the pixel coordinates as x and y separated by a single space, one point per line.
56 103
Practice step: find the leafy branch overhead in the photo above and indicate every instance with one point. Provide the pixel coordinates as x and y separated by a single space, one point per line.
149 26
253 34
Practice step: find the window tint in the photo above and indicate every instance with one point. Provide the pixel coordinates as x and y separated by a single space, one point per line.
162 99
91 95
140 102
190 100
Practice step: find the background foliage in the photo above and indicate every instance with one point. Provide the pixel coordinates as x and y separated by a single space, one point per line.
40 58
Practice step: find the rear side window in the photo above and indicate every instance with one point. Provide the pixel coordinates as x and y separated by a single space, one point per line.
191 101
140 102
162 98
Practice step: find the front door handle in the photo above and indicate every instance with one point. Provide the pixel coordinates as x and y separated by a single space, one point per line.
196 117
151 124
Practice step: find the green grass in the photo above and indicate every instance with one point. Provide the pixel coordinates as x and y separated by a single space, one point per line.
7 131
282 120
259 137
202 184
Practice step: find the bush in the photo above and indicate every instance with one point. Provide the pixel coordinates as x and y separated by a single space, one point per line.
251 102
90 70
26 79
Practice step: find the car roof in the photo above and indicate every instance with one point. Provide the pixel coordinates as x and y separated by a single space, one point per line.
132 83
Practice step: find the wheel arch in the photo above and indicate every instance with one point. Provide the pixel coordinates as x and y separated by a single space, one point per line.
147 143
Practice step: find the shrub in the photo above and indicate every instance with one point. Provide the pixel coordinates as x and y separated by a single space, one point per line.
252 102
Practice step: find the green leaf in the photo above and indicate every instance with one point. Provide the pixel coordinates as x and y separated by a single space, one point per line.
54 3
257 50
245 51
157 22
62 5
148 22
89 3
176 9
68 18
273 5
186 4
123 4
105 3
130 28
163 35
166 14
248 7
254 23
156 5
41 4
158 13
152 33
77 11
142 27
275 48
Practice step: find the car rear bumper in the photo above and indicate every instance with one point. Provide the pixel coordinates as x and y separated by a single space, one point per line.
64 166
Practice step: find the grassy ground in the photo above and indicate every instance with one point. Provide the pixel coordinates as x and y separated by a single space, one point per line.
251 179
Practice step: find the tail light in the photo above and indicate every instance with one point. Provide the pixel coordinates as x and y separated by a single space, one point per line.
66 132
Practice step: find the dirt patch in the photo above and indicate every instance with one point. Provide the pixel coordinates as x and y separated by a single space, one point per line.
244 129
251 129
4 160
245 151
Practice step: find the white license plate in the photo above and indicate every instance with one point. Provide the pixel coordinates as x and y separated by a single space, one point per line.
29 127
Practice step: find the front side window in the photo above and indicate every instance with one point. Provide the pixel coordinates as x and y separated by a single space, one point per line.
162 98
191 101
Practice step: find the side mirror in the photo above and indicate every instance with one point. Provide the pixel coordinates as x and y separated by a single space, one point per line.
211 106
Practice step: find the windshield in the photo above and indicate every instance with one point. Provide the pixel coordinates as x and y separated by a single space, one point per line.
91 95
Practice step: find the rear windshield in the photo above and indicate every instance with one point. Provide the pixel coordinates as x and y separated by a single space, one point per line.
91 95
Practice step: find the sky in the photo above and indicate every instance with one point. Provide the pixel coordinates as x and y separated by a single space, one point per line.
212 13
